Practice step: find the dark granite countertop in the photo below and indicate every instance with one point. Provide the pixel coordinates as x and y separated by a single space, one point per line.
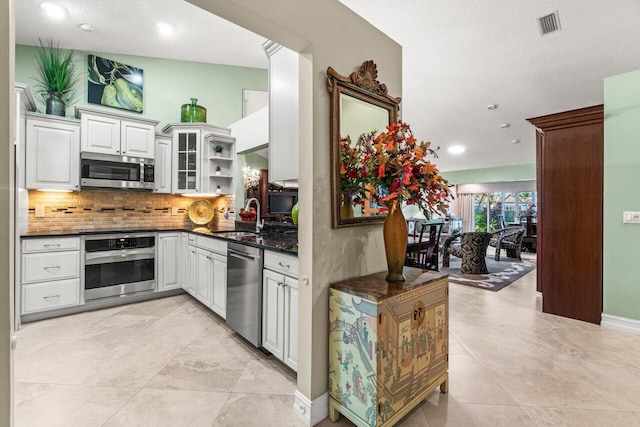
374 287
286 242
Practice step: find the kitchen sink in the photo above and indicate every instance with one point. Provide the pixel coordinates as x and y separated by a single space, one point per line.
234 233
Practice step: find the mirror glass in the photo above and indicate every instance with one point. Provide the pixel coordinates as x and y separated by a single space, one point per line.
359 105
358 117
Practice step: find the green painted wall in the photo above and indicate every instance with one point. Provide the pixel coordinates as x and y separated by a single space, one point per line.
497 174
167 85
621 287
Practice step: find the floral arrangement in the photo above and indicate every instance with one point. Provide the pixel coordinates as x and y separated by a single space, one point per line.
251 177
394 166
353 174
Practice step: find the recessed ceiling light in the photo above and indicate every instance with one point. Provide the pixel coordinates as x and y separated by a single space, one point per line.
165 28
505 125
515 141
492 106
457 149
86 27
53 10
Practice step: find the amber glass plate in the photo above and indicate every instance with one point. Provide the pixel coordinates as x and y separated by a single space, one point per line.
201 212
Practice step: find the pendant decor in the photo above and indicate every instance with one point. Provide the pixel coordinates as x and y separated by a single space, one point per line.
395 241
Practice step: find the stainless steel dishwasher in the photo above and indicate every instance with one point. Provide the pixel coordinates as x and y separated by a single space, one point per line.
244 291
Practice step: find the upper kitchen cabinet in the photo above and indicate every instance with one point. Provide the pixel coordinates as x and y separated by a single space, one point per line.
203 158
162 166
221 155
283 112
52 152
117 134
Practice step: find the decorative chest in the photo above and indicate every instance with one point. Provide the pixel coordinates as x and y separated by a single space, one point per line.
388 345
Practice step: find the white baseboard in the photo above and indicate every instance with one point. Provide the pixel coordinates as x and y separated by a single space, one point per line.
311 412
620 323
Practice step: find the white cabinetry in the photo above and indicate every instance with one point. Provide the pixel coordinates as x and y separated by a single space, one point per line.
50 276
169 261
162 164
283 112
220 181
118 134
191 270
195 162
206 271
219 294
280 307
52 152
204 276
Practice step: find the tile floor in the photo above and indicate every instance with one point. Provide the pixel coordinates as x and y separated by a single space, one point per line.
170 362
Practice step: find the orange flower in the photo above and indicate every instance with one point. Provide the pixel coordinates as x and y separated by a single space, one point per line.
381 171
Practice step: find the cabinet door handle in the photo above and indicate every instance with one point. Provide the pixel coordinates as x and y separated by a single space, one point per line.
284 265
52 245
53 267
280 284
52 296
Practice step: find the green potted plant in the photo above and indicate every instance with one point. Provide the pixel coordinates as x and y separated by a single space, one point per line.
218 149
218 170
56 77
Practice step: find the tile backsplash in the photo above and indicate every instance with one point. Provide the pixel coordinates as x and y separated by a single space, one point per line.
108 209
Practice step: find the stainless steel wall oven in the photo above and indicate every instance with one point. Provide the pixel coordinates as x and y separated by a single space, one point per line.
119 264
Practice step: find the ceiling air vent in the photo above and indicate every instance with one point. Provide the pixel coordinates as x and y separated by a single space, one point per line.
549 23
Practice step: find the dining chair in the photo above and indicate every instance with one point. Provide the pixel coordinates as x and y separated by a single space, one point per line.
424 252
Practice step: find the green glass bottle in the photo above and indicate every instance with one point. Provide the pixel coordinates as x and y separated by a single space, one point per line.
193 113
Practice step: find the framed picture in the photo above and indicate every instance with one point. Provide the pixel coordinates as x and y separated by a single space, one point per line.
113 84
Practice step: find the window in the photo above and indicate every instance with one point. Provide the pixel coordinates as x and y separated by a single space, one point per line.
493 211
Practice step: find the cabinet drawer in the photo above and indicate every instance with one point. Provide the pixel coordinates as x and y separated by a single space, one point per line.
51 244
50 295
50 266
192 239
212 244
286 264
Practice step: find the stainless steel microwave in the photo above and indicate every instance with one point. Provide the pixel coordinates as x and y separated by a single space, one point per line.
111 171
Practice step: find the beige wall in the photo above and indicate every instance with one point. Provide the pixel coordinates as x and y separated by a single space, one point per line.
328 34
7 99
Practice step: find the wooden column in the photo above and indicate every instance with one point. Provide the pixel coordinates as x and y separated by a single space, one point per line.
570 156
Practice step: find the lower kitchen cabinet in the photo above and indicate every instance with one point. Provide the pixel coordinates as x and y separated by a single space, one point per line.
219 301
50 277
169 245
280 308
204 276
191 270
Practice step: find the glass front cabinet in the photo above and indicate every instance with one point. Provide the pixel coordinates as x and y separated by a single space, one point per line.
197 168
186 174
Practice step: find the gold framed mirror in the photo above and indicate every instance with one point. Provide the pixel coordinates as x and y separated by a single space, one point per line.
359 105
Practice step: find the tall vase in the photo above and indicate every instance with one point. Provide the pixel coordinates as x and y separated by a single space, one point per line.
346 211
55 104
395 241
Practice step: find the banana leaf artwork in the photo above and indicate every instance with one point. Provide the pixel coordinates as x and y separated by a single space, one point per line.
113 84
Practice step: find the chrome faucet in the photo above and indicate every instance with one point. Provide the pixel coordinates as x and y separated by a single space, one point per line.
259 224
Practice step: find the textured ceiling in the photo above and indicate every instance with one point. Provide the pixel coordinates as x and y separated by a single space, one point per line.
459 56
